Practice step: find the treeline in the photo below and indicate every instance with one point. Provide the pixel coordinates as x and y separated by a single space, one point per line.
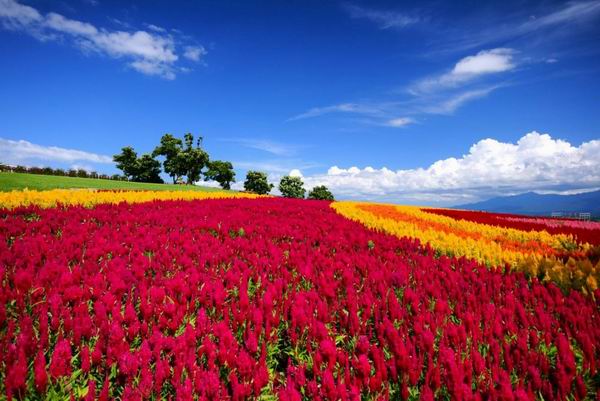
81 173
183 160
289 186
186 162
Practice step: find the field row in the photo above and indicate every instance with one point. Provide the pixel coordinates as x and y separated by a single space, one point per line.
90 198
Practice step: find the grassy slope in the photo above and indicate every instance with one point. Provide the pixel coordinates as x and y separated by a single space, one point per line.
11 181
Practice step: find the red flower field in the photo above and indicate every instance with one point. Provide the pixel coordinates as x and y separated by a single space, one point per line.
273 299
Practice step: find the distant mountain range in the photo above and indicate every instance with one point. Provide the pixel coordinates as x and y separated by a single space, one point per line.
538 204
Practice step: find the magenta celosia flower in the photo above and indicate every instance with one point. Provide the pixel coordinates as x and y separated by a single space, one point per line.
85 359
39 372
60 364
91 394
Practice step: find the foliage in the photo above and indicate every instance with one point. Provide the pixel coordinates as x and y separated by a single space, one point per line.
194 158
127 162
292 187
221 172
171 148
148 169
139 169
320 192
257 182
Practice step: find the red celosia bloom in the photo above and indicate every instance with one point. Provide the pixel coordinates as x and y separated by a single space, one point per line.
39 372
60 364
85 359
104 393
91 394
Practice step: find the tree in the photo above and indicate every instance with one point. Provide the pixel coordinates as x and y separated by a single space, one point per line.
193 158
292 187
148 169
320 192
127 162
171 148
256 182
221 172
143 169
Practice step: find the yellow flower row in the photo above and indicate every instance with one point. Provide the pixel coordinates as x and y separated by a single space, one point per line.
89 198
485 243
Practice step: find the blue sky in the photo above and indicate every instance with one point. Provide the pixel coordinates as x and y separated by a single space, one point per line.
436 103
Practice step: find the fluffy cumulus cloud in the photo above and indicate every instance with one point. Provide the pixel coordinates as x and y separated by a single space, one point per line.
151 53
24 152
536 162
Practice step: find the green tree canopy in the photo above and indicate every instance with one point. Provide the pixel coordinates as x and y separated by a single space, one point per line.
148 169
257 182
126 161
320 192
171 148
194 158
142 169
292 187
221 172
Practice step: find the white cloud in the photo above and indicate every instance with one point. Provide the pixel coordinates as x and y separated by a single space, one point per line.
354 108
295 173
536 162
441 94
150 68
16 152
573 10
209 183
194 53
400 122
156 28
85 167
385 19
16 16
484 63
73 27
450 104
151 53
553 21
